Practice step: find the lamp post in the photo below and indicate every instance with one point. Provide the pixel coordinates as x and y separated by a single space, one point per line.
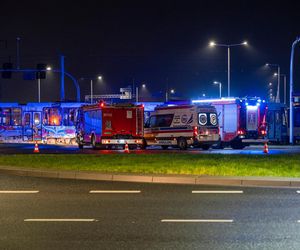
137 91
284 86
48 68
291 90
213 44
91 79
278 80
220 87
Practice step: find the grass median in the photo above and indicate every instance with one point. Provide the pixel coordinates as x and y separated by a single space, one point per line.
185 164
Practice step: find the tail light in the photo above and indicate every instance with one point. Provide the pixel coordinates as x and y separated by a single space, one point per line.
195 131
241 132
263 132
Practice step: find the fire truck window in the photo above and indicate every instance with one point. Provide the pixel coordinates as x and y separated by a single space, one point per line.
6 115
52 117
36 119
16 117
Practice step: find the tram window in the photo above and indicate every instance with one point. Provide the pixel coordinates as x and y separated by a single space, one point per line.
6 115
52 116
27 119
36 119
16 117
69 117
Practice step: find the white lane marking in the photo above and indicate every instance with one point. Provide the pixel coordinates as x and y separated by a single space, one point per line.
60 220
19 191
196 221
298 191
115 191
217 192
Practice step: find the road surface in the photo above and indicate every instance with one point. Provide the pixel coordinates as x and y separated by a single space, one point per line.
6 148
67 214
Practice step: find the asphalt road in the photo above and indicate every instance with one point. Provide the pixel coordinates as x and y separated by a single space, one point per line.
6 148
255 219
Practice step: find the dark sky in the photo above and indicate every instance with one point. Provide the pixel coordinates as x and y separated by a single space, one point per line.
150 41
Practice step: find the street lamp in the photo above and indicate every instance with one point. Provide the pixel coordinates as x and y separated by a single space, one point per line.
92 83
48 68
220 87
214 44
137 91
284 86
292 89
278 80
172 91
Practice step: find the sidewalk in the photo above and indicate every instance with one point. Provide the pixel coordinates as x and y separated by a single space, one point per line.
168 179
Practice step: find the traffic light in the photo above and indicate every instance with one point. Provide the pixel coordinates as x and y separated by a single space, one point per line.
41 73
7 74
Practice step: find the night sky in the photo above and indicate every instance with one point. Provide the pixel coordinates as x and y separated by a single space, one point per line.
156 42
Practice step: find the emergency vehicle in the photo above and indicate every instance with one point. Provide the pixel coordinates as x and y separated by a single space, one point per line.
182 126
242 121
110 125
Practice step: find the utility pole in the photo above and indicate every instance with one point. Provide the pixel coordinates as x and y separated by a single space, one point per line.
291 90
18 52
62 78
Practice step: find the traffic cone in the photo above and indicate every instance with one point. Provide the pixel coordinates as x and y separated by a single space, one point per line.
36 148
126 149
266 148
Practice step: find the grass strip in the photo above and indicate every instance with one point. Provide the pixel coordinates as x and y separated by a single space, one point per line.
186 164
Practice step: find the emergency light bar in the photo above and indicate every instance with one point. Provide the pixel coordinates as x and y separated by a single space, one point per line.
214 100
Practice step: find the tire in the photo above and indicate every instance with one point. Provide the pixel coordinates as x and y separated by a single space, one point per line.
181 143
93 142
164 147
205 147
144 145
80 146
237 145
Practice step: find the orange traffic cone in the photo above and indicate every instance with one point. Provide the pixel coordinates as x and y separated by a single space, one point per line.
36 148
126 149
266 148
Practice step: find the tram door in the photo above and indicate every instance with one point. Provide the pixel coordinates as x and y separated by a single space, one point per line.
32 126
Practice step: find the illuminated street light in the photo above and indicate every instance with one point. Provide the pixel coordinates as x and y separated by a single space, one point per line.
220 87
278 80
92 83
48 68
137 91
228 46
99 77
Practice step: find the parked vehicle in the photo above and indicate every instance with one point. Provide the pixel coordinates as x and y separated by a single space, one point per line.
182 126
277 123
105 126
242 121
47 122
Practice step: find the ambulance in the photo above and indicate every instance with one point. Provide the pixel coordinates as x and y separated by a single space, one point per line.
182 126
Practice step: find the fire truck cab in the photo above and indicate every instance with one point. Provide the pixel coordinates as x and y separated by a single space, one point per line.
105 126
242 121
182 126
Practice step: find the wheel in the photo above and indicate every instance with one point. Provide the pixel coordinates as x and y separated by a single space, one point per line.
93 142
237 145
80 146
205 147
164 147
144 145
181 143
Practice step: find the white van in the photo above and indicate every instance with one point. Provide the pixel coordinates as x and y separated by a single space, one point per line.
182 126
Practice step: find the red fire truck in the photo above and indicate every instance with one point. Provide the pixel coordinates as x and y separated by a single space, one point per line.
110 125
242 121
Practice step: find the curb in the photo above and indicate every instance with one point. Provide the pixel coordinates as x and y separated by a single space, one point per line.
162 179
